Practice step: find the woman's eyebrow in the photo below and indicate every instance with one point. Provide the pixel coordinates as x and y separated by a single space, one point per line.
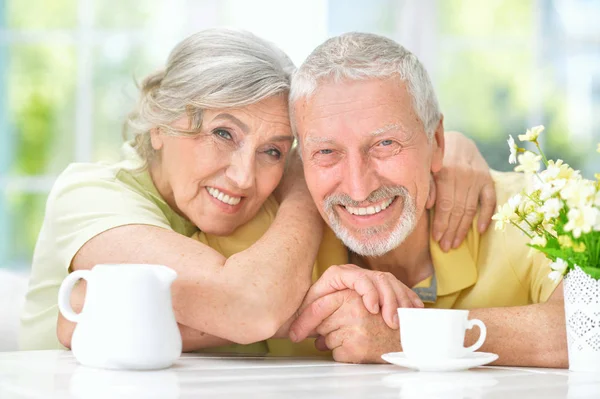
234 120
283 137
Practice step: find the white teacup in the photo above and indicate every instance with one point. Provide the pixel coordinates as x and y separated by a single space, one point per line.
437 333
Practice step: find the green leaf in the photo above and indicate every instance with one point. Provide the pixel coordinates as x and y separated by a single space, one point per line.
593 272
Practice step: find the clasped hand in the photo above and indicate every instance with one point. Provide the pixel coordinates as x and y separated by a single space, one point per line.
353 312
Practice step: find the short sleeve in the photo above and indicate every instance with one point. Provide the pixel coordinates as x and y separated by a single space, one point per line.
531 267
78 210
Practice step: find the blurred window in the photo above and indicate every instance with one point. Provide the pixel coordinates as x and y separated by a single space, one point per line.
67 70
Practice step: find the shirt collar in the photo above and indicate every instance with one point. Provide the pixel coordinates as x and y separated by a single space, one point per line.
455 270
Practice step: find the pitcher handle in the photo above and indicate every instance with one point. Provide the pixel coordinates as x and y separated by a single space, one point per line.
482 334
64 294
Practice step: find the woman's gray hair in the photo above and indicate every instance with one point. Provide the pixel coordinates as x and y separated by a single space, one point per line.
212 69
361 56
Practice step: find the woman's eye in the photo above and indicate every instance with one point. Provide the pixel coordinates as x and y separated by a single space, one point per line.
385 143
224 134
275 153
325 152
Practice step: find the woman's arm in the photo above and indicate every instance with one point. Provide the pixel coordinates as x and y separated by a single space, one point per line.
191 339
242 299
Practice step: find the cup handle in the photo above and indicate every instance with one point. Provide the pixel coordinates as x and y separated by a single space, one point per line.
482 334
64 294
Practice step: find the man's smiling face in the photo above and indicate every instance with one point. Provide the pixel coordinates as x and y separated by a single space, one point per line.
367 160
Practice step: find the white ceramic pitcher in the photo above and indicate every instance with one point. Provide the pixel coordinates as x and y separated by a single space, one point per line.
127 320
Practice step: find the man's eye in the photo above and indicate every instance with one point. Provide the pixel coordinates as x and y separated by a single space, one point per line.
385 143
325 152
224 134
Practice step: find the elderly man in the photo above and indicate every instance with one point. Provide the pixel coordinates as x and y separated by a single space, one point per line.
371 135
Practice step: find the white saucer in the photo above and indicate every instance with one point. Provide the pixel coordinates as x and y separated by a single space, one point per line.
473 359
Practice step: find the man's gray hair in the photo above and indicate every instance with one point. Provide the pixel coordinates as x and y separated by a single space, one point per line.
212 69
362 56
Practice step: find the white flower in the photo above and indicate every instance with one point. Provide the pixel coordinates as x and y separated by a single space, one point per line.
534 219
515 201
551 208
559 265
558 170
528 162
555 276
513 150
539 241
506 214
578 193
559 268
581 220
531 134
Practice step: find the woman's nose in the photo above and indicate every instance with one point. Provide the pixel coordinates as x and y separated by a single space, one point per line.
241 169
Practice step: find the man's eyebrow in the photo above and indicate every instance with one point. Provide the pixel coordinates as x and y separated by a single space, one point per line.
235 120
318 140
386 128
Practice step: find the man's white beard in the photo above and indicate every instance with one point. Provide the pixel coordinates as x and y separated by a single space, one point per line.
374 246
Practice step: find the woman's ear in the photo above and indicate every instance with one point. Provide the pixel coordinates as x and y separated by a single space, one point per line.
437 156
156 138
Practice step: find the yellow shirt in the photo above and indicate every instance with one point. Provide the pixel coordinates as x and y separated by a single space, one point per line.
489 270
496 269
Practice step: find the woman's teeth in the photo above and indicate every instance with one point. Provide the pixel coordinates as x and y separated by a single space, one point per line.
370 210
223 197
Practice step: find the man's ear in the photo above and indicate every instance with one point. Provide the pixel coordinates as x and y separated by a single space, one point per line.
431 197
437 156
156 139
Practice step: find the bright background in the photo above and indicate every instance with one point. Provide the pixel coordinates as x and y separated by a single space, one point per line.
67 69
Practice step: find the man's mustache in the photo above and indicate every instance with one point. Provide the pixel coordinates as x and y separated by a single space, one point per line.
381 193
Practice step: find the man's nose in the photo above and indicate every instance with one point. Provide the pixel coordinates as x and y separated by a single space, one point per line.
241 170
359 178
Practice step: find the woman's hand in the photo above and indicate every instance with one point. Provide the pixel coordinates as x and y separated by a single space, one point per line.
380 291
462 184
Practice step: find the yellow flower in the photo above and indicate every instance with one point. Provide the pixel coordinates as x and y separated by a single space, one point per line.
528 162
532 134
579 247
598 148
565 241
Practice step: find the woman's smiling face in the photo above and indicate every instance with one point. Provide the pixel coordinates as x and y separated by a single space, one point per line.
220 177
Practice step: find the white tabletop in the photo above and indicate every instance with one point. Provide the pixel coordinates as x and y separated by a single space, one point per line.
56 374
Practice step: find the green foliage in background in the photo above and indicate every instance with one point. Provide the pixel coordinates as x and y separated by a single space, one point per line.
486 58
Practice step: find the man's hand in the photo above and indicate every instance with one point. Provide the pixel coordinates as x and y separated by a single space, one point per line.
378 290
463 182
352 333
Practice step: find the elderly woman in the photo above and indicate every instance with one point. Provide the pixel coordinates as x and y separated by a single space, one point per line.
211 140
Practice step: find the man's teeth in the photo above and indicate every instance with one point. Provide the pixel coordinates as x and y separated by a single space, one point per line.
223 197
370 210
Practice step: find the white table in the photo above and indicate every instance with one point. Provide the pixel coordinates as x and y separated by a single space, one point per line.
56 374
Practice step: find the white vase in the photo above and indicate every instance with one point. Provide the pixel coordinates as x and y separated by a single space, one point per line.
582 316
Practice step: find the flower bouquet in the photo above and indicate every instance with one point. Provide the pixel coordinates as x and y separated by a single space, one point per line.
560 213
